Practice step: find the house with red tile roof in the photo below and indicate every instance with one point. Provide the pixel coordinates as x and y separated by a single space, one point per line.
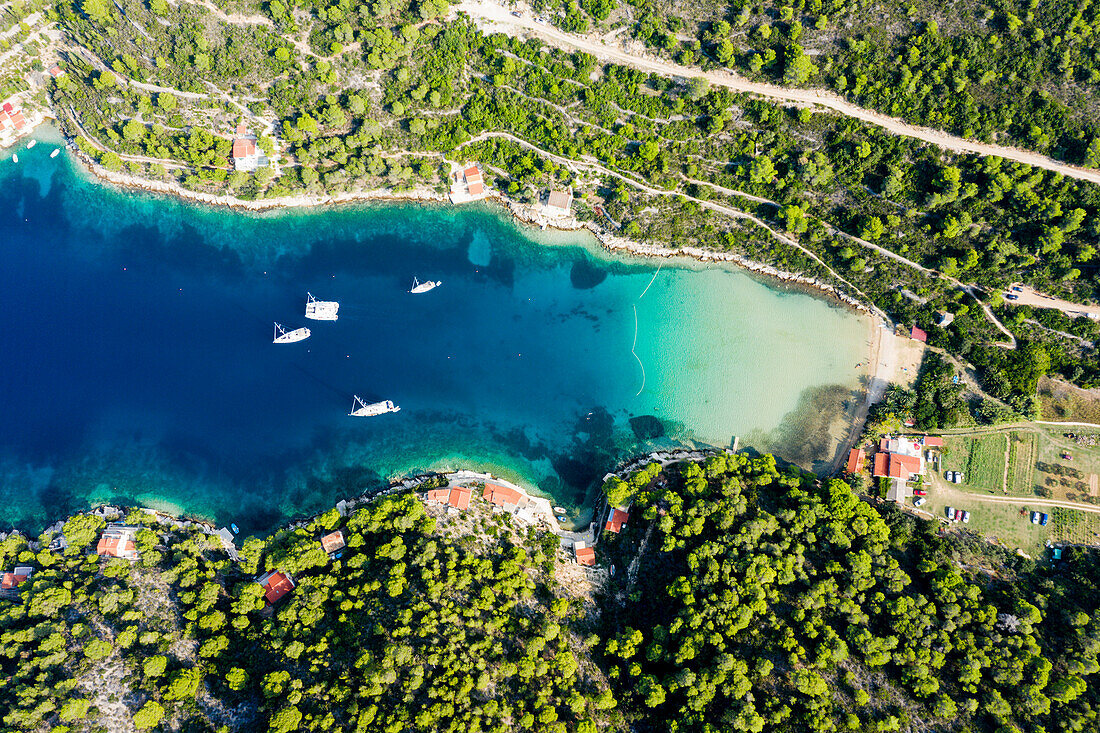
246 154
616 518
472 177
118 540
333 542
856 457
10 581
918 334
56 71
585 555
896 466
932 441
457 497
275 585
558 202
503 496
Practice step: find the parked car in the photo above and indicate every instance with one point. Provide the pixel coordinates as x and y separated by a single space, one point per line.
949 475
1035 517
966 516
950 512
919 501
1043 519
920 492
1010 296
1018 288
959 477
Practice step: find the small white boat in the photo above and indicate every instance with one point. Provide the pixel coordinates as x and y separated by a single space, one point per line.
283 336
559 510
32 143
55 152
15 157
362 409
321 310
423 287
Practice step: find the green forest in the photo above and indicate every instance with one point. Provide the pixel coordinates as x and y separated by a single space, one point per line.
748 597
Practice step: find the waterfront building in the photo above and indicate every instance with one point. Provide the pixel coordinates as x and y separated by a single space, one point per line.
474 184
118 540
616 518
559 202
247 155
856 457
585 555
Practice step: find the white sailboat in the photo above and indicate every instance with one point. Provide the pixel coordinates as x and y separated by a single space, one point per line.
362 409
423 287
283 336
321 310
55 152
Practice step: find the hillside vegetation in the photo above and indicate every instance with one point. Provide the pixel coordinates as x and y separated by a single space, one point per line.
746 599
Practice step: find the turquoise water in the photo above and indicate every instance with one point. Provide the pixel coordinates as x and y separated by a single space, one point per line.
138 365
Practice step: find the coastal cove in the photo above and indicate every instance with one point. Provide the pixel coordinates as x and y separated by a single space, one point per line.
141 370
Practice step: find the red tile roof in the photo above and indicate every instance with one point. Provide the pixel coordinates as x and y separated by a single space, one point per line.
932 441
17 120
276 585
55 71
855 460
616 518
473 180
895 465
879 469
115 547
459 498
7 107
333 542
11 580
501 495
884 444
918 334
241 129
243 147
586 555
440 495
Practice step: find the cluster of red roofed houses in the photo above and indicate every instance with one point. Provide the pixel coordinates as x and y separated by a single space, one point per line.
512 500
899 460
12 123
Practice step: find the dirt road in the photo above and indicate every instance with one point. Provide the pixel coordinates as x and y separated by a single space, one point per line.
1030 296
495 17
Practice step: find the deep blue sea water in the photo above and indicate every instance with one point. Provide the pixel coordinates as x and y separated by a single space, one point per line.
137 363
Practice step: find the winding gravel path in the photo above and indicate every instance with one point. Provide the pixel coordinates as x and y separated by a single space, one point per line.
489 13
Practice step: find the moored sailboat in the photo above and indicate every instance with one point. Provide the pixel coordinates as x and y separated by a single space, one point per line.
283 336
359 408
321 310
423 287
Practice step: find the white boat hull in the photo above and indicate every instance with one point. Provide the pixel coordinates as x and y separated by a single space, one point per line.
55 152
290 337
321 310
31 144
361 409
419 287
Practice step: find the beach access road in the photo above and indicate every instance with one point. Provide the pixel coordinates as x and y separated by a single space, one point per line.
493 16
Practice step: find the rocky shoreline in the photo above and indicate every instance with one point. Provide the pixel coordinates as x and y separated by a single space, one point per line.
523 213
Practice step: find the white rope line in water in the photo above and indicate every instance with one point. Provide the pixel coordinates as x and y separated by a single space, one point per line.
659 264
635 344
